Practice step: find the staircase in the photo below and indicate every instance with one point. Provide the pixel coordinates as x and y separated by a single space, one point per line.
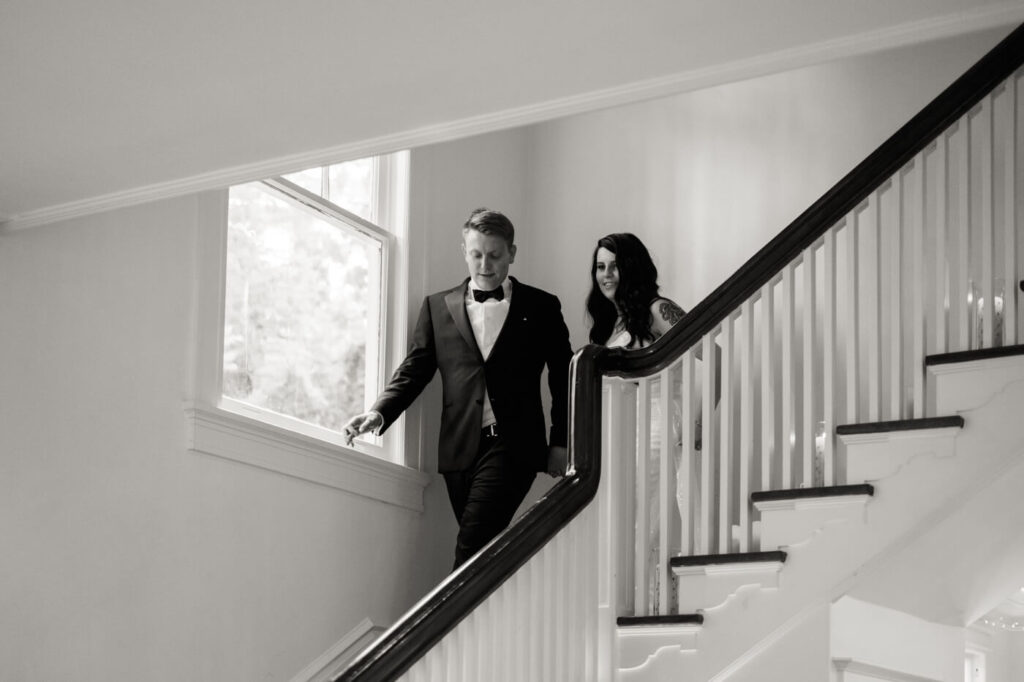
915 477
792 457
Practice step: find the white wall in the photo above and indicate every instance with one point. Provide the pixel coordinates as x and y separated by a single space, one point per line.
125 556
800 654
707 178
896 641
1003 651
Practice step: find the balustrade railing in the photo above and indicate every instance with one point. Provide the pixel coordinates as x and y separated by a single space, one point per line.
917 251
927 262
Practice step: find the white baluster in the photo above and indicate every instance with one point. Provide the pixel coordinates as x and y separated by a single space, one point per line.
746 450
986 308
450 654
641 605
1008 140
437 661
873 319
708 445
893 299
917 283
480 622
788 376
767 340
852 331
961 295
829 353
942 294
684 483
809 393
520 637
666 491
726 446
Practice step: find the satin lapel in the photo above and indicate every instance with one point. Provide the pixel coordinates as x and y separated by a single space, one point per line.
456 302
515 310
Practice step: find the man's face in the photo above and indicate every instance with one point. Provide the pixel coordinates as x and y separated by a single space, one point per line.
487 257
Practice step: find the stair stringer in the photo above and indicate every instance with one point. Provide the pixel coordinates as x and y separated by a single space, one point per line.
915 498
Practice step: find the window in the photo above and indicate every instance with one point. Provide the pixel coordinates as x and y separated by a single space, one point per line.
301 301
305 302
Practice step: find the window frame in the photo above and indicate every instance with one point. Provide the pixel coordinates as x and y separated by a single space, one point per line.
235 430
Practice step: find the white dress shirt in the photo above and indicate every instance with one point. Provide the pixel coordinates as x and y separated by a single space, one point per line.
487 319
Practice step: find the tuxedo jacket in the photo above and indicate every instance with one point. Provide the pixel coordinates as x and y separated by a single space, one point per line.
534 336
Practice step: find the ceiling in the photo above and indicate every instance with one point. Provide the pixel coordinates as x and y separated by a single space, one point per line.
114 102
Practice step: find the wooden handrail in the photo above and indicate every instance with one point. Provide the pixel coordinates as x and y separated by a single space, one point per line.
955 101
441 610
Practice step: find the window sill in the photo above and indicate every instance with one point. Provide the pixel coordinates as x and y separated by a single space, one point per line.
222 433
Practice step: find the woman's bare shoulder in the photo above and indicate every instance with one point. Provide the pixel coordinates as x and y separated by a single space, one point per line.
664 313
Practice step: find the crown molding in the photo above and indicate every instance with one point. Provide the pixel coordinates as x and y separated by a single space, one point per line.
848 46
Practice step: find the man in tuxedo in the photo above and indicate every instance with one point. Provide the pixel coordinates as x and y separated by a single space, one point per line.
491 337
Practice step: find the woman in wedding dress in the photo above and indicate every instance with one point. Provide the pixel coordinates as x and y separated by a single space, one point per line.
626 311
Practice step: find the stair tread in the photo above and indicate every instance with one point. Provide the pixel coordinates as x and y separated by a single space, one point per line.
969 355
671 619
807 493
901 425
734 558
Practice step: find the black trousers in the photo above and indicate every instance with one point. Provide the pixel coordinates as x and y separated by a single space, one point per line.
485 497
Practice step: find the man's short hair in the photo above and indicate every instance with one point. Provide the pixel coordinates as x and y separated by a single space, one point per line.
486 221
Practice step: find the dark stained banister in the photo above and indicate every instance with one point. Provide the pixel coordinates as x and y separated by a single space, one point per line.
441 610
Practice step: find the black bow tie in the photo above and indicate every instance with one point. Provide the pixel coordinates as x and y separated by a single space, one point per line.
480 296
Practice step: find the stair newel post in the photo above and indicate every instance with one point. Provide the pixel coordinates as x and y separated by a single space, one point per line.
1008 137
642 538
616 524
808 398
917 280
829 356
726 444
746 450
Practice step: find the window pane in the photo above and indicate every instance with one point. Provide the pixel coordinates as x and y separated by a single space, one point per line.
302 304
351 186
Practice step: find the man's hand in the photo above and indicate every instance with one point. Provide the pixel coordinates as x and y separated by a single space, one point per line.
361 423
558 460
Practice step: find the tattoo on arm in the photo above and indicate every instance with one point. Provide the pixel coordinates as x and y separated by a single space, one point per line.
670 312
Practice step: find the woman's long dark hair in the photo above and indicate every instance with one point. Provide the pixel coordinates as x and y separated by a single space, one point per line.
638 287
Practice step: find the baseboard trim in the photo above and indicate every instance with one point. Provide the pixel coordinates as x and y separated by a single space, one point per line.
330 662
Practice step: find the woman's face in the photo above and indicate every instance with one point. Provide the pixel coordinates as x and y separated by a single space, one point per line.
606 273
